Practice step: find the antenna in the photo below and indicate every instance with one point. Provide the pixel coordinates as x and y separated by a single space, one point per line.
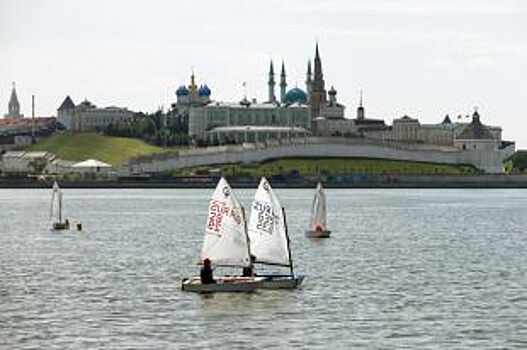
32 118
244 84
360 102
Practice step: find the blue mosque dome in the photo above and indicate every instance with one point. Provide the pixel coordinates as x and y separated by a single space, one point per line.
295 95
182 91
204 90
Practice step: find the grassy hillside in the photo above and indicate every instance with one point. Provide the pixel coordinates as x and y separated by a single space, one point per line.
82 146
334 166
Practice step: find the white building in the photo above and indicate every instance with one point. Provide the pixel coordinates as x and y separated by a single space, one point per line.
25 162
410 130
220 123
88 117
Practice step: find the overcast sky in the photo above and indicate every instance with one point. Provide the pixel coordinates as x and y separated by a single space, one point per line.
424 58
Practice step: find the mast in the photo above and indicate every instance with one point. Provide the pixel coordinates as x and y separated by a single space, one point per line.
248 241
288 243
60 206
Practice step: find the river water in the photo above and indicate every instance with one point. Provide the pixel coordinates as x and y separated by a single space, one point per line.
421 269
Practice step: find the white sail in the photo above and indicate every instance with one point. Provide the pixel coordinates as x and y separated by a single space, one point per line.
318 210
267 231
226 241
56 202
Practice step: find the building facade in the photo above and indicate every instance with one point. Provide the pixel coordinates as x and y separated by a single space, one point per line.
222 123
88 117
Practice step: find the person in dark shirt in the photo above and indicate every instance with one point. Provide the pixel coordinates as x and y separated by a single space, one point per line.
206 272
248 270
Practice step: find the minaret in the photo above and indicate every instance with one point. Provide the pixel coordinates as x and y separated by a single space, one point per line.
283 84
360 110
271 83
309 80
13 108
318 93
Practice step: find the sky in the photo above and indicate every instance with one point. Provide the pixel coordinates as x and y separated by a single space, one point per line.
422 58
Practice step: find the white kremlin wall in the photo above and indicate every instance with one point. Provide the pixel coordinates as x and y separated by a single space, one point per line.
489 162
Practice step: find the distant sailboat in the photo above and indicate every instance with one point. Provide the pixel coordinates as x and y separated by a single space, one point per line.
318 221
226 242
56 209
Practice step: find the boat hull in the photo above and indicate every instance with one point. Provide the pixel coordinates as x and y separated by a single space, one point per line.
223 284
61 226
241 284
282 282
318 234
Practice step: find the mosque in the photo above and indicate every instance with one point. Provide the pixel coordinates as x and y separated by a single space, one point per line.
296 113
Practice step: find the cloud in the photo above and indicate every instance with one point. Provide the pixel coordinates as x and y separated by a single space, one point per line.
407 7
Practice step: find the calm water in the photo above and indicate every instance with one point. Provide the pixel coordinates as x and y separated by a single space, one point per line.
422 269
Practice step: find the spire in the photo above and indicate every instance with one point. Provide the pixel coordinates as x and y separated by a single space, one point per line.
309 80
319 76
13 108
360 110
318 95
283 83
271 83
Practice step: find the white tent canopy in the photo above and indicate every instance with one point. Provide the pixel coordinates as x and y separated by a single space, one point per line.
91 163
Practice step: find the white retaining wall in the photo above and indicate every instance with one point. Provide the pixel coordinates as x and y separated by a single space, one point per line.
490 162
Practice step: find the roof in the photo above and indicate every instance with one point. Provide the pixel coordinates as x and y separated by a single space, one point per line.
254 105
475 130
295 95
250 128
368 121
67 104
91 163
25 121
31 155
406 119
446 120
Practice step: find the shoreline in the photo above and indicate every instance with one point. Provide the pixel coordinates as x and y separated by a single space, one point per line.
352 181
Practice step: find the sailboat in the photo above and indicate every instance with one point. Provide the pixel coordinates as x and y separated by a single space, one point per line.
56 209
269 238
227 243
318 223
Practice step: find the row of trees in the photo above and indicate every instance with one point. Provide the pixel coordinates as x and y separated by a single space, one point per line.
159 128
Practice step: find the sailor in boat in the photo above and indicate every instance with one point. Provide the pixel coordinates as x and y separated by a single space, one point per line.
206 273
248 271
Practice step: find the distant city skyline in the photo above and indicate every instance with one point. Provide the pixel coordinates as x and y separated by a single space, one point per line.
422 58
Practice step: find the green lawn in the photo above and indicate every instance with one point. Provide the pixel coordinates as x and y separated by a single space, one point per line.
334 166
82 146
